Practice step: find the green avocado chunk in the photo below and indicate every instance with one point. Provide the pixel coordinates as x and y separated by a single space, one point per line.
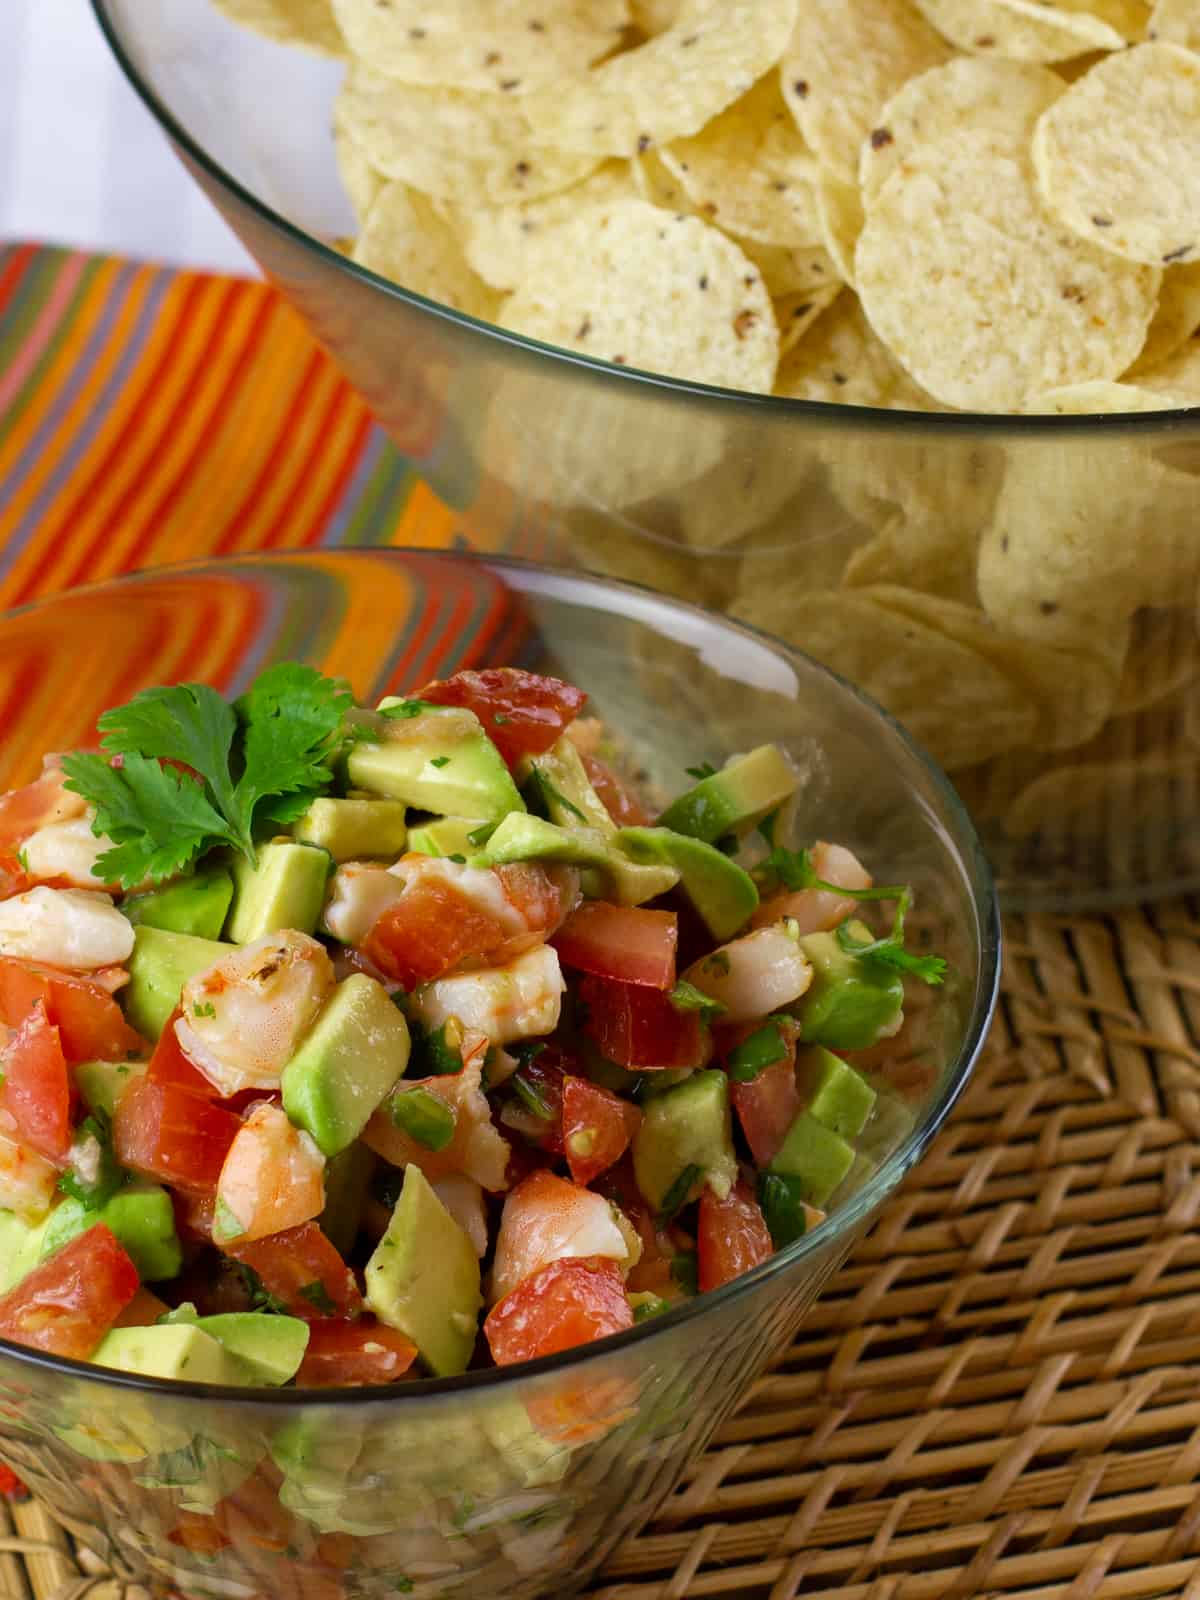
446 836
521 837
816 1156
271 1347
161 963
835 1094
424 1278
102 1083
143 1219
687 1127
438 759
734 800
285 890
197 904
347 1180
172 1350
20 1247
355 830
850 1001
723 893
350 1059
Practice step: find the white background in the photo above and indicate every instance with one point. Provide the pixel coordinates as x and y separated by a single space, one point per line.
81 161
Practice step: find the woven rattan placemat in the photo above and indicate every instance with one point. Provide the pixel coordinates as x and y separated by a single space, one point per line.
1000 1393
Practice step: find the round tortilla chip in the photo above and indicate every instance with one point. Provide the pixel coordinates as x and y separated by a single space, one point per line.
654 16
847 58
749 171
1022 30
500 240
981 295
360 180
1177 376
841 361
1099 399
956 703
796 313
670 87
1175 321
840 214
1145 796
1175 22
309 23
499 46
650 290
1163 658
404 239
969 92
1118 156
450 144
786 271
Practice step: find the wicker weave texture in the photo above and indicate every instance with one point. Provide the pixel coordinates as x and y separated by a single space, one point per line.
999 1396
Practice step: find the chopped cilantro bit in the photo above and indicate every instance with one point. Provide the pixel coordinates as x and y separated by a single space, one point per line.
206 1009
760 1050
785 1213
704 770
261 1299
92 1154
404 710
540 794
459 860
676 1196
686 997
436 1052
479 836
317 1295
530 1097
500 719
767 828
439 761
650 1305
685 1272
226 1222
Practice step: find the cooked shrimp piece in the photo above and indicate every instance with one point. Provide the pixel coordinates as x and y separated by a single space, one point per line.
72 928
463 1199
753 975
358 895
242 1018
816 910
519 1001
28 1182
476 1150
66 852
273 1178
38 804
545 1219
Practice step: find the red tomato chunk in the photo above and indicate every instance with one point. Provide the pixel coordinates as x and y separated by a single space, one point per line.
639 1027
619 800
167 1133
522 713
67 1304
731 1237
83 1011
343 1353
168 1064
597 1127
766 1107
627 943
37 1088
297 1260
566 1303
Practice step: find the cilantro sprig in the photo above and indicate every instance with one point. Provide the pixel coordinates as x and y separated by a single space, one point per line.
183 770
794 869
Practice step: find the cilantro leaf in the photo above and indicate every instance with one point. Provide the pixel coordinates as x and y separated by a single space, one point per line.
890 952
686 997
292 717
704 770
93 1174
189 722
318 1295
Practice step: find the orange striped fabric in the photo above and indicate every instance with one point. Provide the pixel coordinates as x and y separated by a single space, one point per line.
149 415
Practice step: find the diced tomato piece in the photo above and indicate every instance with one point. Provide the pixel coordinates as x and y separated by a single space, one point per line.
428 931
731 1237
168 1064
164 1132
619 800
12 875
567 1303
766 1107
627 943
291 1262
342 1353
11 1487
273 1178
37 1088
521 712
143 1311
597 1127
639 1027
23 811
69 1302
84 1012
194 1214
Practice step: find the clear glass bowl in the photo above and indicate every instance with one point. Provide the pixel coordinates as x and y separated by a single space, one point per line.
1021 592
507 1483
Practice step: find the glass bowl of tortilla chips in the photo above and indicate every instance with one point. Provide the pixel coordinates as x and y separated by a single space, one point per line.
871 323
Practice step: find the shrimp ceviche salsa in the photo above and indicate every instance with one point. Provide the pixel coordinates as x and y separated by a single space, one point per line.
344 1044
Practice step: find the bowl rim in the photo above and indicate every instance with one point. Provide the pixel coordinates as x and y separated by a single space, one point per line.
982 899
991 424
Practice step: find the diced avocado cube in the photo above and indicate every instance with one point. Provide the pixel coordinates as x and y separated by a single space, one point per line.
850 1002
835 1094
557 780
448 836
102 1083
143 1219
723 893
351 1058
521 837
734 800
271 1347
347 1181
161 963
423 1278
355 830
437 760
197 904
285 890
815 1155
20 1247
171 1350
687 1127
